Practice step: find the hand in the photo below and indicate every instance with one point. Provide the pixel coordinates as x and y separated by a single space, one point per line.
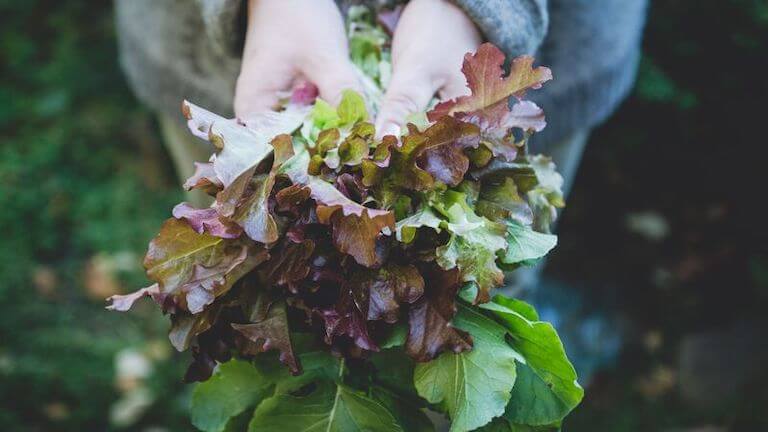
428 48
288 40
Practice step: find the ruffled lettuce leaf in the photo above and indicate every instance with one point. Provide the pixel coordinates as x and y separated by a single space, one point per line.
355 227
430 331
487 106
241 147
193 269
380 293
272 331
473 244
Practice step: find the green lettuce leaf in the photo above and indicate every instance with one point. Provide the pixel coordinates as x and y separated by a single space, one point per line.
234 387
475 386
328 407
547 388
405 230
525 244
473 245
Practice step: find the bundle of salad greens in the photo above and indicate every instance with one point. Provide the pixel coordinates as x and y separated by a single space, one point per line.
367 267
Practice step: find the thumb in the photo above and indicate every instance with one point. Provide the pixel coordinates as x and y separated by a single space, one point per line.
410 90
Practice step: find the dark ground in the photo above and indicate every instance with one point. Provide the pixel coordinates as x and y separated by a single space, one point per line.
663 227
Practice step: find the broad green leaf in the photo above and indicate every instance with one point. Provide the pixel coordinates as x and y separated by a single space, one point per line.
533 402
316 363
524 244
396 336
394 371
500 424
408 414
235 386
328 408
547 389
475 386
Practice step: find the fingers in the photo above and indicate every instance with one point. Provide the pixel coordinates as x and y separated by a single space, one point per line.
257 87
333 76
410 90
419 71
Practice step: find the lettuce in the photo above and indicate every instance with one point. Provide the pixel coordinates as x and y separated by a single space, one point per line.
340 282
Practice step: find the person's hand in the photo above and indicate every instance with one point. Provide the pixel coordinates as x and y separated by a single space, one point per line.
428 48
288 40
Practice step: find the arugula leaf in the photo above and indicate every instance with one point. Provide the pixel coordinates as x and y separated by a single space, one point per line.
547 389
475 386
329 407
234 387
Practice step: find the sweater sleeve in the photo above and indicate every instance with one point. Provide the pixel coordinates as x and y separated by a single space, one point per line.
516 26
224 22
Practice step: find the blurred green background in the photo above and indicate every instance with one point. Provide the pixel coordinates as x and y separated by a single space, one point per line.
670 183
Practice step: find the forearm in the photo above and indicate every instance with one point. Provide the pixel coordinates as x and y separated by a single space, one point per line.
516 26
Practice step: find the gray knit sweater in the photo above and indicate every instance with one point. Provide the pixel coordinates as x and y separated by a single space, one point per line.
190 49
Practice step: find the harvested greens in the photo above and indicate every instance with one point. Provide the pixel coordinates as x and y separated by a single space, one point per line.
367 267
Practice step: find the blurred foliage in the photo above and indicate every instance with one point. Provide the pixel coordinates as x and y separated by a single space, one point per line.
84 183
82 173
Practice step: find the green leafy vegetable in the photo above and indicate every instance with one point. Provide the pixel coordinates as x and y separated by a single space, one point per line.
235 387
328 407
473 387
340 282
